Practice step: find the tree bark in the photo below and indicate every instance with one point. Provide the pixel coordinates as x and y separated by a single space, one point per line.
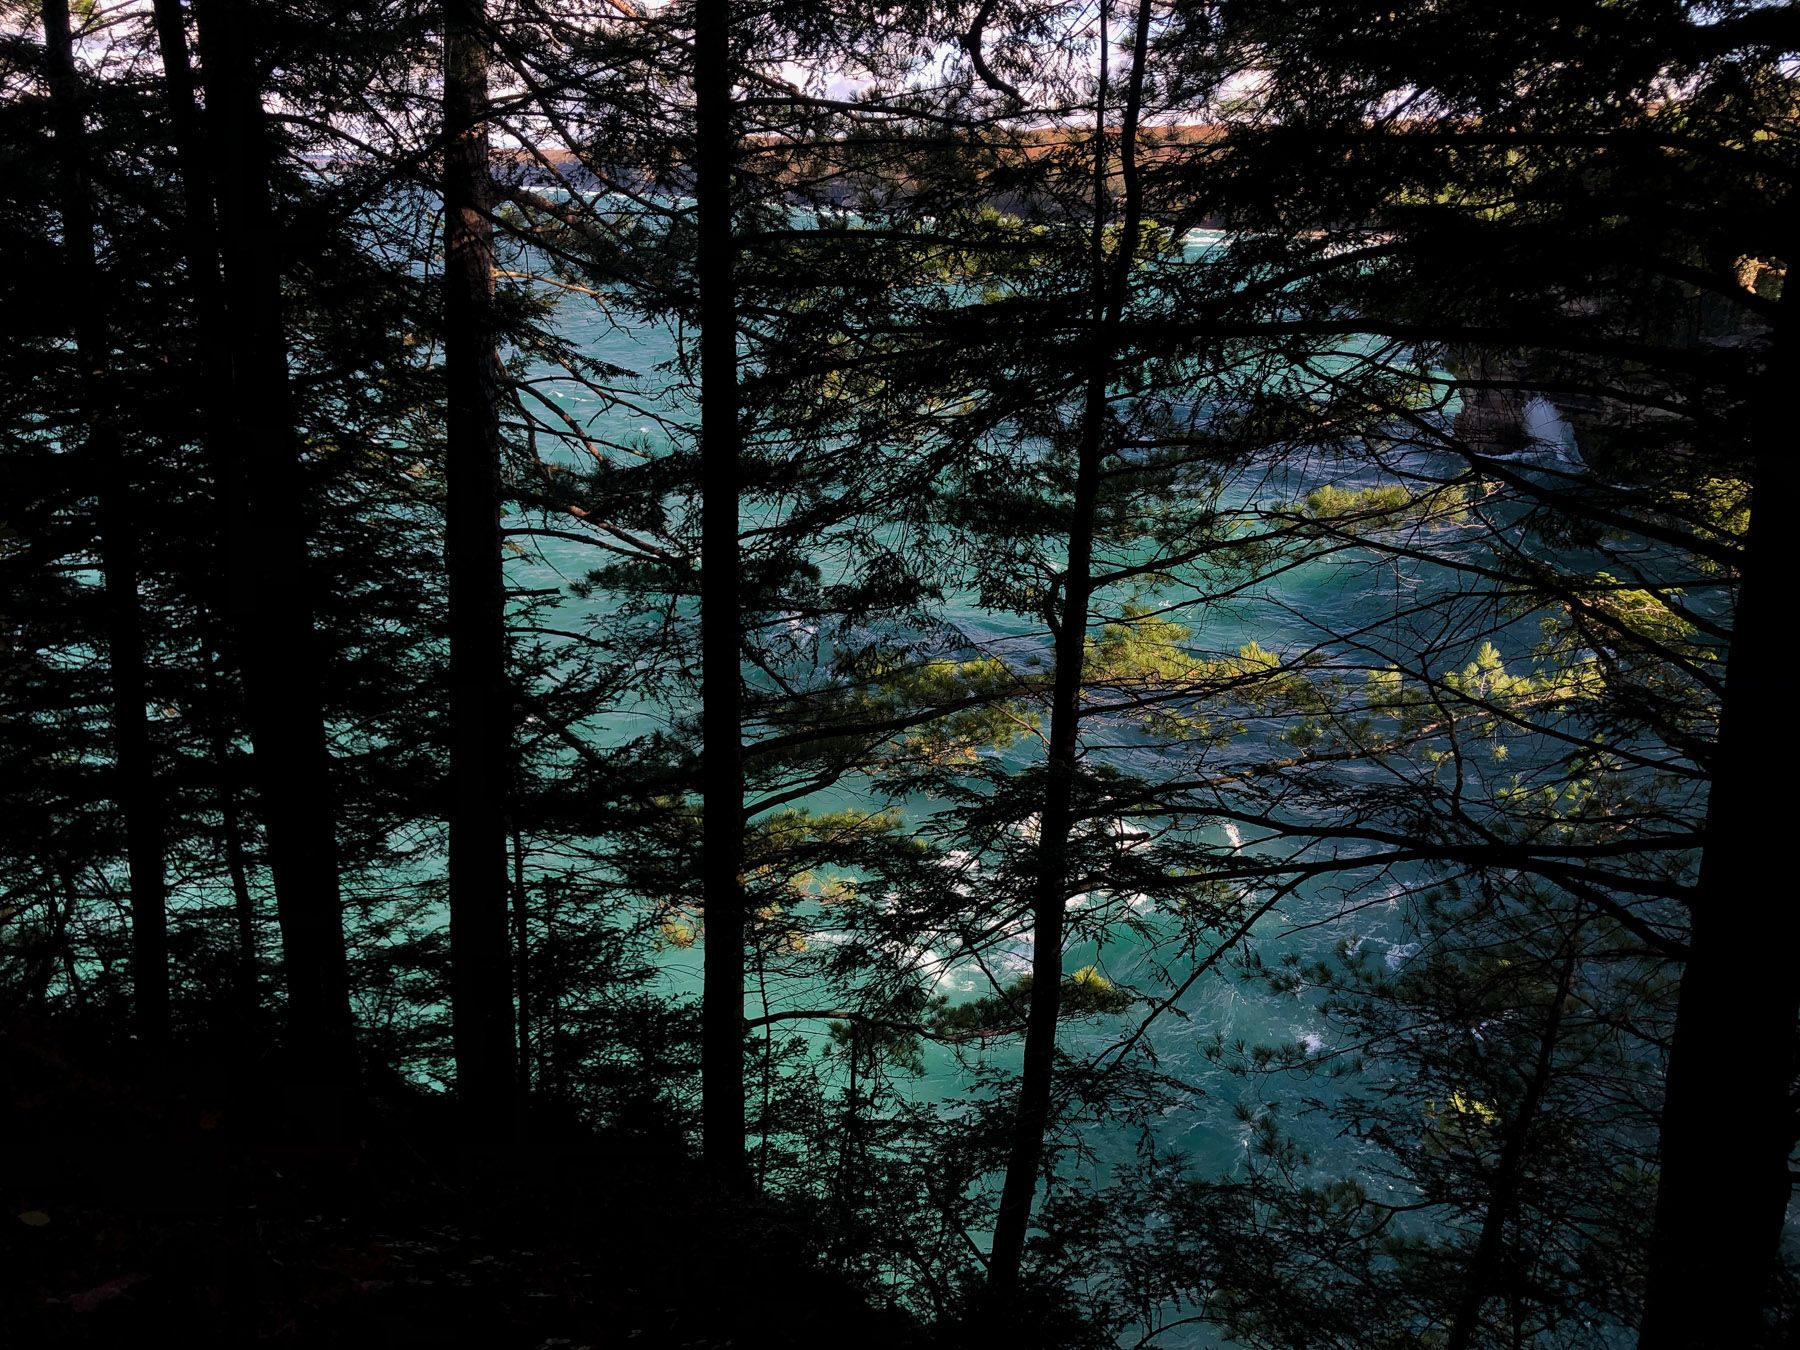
136 791
480 707
722 771
1025 1152
272 592
1728 1110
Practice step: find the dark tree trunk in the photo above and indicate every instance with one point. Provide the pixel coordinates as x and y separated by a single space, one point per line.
1025 1151
60 933
271 589
56 930
521 900
243 903
200 235
722 770
1728 1112
215 373
480 708
237 865
135 786
1503 1193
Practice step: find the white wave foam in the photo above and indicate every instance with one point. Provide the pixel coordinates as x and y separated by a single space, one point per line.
1400 953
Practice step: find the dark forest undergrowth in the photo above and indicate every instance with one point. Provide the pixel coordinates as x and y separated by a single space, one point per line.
181 1204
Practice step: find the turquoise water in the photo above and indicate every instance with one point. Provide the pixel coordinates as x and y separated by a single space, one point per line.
1210 1120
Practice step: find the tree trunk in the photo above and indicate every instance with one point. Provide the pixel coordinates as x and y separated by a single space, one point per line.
200 235
272 593
521 899
1025 1152
1728 1116
243 904
722 769
136 791
480 708
1503 1192
237 867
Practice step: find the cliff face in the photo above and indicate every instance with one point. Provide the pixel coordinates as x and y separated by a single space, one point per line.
1492 420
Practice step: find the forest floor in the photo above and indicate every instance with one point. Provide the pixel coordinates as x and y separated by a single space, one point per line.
174 1207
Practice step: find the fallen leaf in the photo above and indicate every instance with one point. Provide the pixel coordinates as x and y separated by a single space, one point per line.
102 1293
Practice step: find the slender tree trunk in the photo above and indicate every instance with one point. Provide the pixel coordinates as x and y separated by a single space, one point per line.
71 971
136 791
200 237
480 709
1025 1153
243 902
850 1153
200 247
272 593
521 899
722 769
1728 1122
44 970
766 1078
1503 1194
237 867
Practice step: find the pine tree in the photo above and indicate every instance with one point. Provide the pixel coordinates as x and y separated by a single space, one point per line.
1482 229
481 706
272 601
137 792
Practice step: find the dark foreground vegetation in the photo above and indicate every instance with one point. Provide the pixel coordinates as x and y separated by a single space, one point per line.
182 1206
594 596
